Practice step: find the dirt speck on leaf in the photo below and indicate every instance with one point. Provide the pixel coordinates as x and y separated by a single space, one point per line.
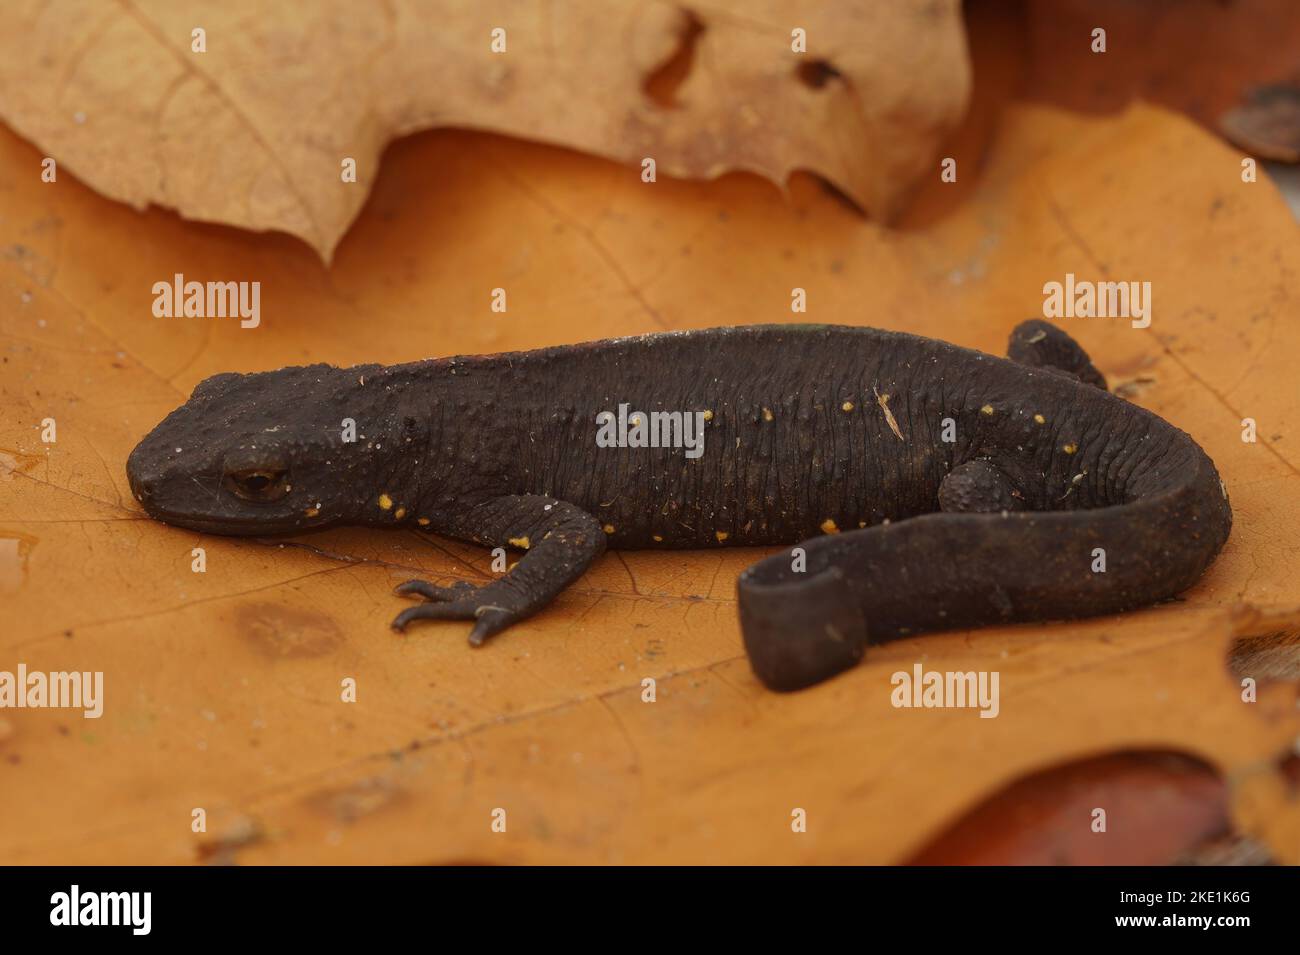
279 631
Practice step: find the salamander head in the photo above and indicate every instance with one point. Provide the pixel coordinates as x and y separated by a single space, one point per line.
255 454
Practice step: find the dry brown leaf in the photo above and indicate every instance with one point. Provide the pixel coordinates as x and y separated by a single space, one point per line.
1158 806
223 688
1200 57
253 131
1267 124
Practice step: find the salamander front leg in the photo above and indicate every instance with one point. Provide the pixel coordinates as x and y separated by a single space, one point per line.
561 542
422 588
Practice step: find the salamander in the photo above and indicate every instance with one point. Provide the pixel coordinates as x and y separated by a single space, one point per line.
923 486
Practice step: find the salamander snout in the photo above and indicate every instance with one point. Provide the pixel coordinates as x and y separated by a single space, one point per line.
144 481
166 482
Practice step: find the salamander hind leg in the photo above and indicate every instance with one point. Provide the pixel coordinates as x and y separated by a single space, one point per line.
1041 345
979 486
561 542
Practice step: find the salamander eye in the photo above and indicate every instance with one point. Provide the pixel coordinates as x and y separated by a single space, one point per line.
258 484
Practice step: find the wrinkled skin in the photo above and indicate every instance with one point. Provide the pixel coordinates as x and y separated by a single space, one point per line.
927 486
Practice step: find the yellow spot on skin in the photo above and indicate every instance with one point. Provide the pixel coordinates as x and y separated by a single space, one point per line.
385 502
1040 419
987 409
658 538
608 528
523 542
708 416
767 414
1070 448
400 513
721 536
829 527
422 521
312 511
847 406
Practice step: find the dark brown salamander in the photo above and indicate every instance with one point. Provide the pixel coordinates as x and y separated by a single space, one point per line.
932 487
